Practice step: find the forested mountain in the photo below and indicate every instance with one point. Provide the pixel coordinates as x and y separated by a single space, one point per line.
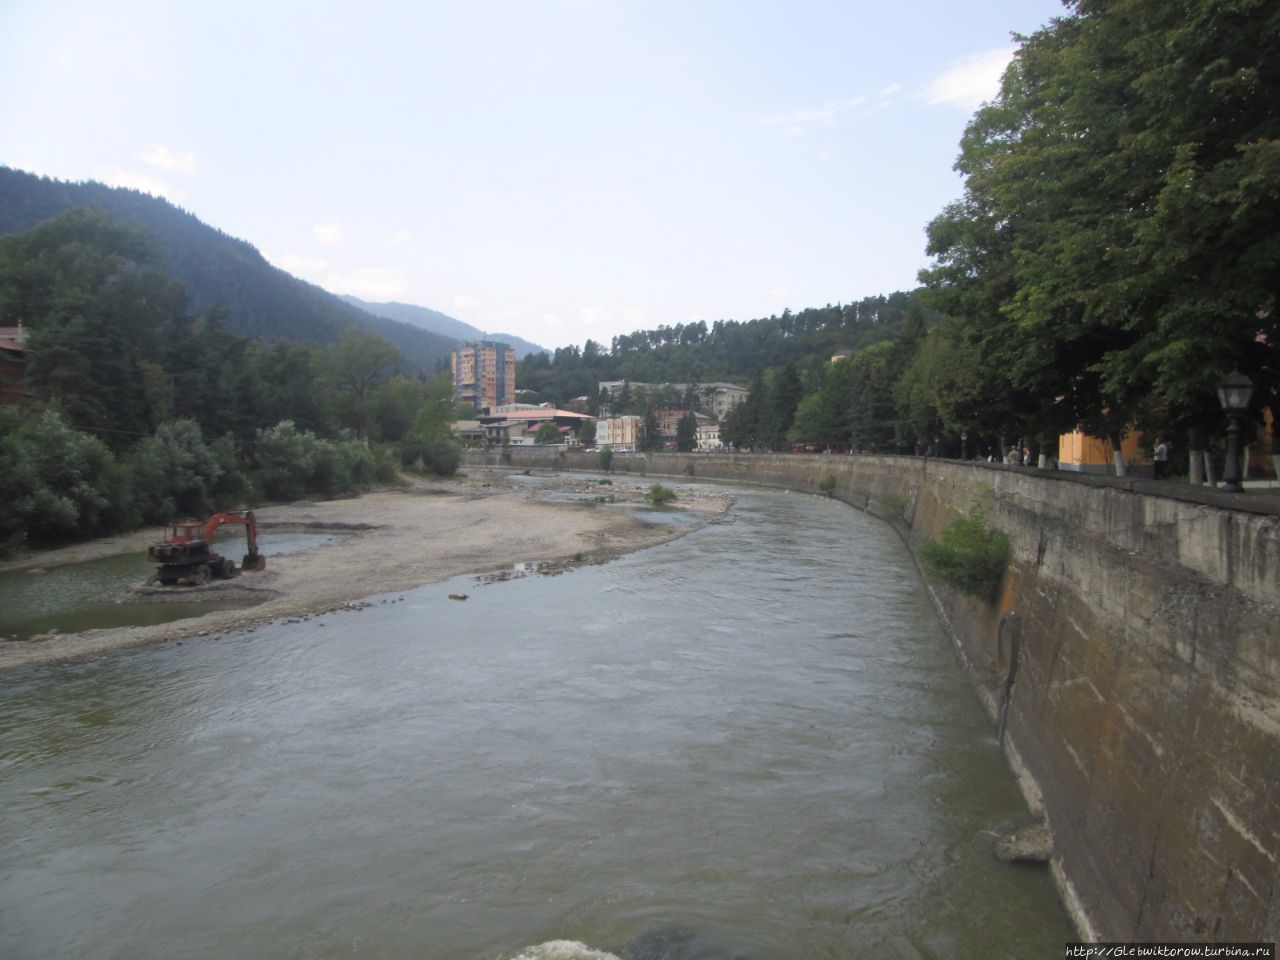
259 300
726 350
443 324
137 411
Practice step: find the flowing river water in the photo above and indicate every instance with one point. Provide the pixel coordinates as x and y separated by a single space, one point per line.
752 742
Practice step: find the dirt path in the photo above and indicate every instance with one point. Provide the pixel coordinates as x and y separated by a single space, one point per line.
395 540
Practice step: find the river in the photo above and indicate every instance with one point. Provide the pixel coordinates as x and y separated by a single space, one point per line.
752 742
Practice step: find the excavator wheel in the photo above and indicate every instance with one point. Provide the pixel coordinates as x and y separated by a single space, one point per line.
202 575
229 569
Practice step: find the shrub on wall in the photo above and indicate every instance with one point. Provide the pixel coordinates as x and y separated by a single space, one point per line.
896 504
970 555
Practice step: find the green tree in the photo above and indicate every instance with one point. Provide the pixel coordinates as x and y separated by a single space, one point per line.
431 442
1114 252
548 432
396 404
784 396
354 366
687 432
98 308
650 438
175 474
56 483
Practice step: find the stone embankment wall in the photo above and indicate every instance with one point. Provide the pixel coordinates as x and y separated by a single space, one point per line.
1131 666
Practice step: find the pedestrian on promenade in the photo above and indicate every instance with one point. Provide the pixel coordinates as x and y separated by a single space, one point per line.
1160 459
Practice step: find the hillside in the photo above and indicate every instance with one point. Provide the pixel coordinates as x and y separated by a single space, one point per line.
260 300
443 324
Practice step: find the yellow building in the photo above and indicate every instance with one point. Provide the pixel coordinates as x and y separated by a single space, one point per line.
484 374
1085 454
1091 455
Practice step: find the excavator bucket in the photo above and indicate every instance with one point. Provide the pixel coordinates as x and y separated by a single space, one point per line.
253 563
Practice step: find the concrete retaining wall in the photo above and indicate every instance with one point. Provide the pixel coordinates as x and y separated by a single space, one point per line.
1132 663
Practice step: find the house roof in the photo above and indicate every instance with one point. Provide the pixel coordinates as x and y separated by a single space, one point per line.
538 414
8 343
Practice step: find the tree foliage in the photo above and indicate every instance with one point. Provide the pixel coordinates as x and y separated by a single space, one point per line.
1115 251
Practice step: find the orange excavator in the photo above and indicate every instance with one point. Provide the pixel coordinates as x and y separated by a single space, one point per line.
187 552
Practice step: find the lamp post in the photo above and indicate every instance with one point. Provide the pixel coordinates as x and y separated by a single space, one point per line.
964 444
1234 393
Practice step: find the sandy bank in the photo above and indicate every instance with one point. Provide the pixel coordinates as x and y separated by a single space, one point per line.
394 540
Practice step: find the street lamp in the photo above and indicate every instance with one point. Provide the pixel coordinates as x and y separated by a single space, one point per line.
1235 392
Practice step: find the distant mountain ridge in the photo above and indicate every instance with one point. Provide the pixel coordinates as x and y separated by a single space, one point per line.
443 324
260 300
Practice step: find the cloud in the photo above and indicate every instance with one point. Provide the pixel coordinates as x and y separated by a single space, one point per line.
367 283
827 115
163 158
463 302
118 177
615 317
834 112
970 82
309 268
551 320
370 283
401 236
328 234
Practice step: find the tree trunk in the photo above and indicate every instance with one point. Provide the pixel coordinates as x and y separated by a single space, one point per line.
1118 456
1275 439
1195 443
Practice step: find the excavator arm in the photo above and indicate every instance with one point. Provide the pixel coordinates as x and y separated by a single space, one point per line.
253 560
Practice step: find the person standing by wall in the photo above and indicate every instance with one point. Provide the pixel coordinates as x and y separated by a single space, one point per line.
1160 459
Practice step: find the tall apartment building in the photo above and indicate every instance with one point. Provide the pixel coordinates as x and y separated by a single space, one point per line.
484 374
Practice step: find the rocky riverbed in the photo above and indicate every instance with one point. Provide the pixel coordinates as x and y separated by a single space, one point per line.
494 524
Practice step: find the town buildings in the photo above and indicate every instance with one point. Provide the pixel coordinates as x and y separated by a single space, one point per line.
517 424
717 399
484 374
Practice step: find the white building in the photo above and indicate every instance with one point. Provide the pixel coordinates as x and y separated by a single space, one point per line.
620 433
709 435
716 398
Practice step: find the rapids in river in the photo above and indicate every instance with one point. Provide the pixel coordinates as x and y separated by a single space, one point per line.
752 742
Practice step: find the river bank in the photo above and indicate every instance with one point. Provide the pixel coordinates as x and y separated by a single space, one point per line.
485 523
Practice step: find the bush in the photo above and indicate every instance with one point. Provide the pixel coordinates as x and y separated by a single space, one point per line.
285 460
970 555
175 474
659 495
56 483
440 455
827 483
604 458
384 468
896 504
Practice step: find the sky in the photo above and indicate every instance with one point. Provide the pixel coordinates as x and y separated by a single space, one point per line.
557 170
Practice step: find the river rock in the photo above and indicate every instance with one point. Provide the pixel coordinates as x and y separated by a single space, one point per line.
1033 844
